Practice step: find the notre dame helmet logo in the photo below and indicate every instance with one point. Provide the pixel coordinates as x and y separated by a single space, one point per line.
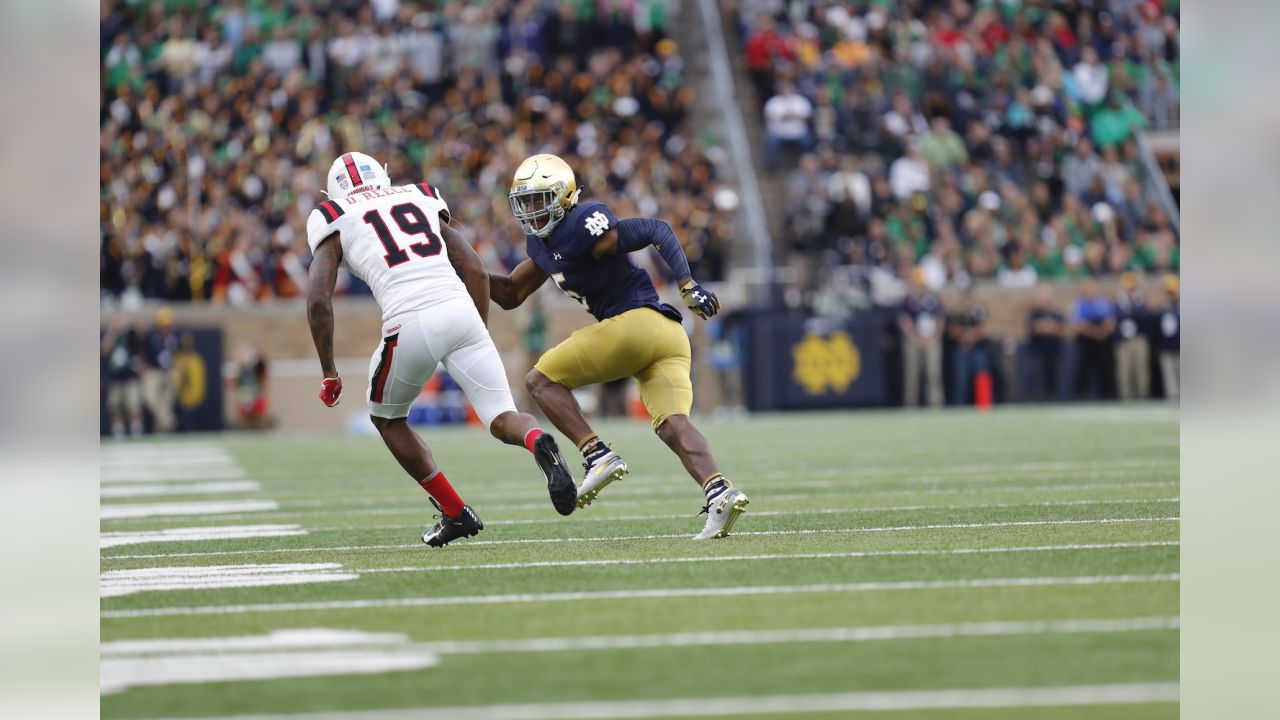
824 365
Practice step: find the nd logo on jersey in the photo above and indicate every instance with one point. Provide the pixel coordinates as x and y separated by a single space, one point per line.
822 365
596 223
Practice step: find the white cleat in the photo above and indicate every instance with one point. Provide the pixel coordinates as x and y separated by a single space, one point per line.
606 469
722 513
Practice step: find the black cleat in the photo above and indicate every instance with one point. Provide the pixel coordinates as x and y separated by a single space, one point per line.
564 496
466 524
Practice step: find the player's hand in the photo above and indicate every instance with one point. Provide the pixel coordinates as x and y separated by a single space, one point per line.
331 391
700 300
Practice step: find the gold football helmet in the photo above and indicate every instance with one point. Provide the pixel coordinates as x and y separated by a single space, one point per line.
542 192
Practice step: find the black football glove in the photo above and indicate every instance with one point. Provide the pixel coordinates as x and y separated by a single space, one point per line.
700 300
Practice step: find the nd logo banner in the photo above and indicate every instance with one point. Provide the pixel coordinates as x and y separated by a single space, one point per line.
823 365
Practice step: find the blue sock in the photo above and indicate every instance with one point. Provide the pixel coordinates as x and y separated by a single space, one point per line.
593 448
716 487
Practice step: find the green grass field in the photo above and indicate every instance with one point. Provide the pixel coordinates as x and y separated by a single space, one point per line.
1016 564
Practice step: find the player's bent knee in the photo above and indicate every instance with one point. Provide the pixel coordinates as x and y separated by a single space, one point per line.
536 381
498 426
672 427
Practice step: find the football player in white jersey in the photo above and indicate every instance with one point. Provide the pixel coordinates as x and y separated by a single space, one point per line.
433 290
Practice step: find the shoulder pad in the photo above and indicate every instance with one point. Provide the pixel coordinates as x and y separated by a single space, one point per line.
330 210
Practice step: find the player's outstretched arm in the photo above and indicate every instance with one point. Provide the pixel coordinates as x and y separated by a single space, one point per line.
509 291
635 233
323 279
470 268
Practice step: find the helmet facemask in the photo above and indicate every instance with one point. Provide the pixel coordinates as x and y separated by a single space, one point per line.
538 210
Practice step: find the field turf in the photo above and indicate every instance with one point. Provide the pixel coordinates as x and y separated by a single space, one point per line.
1016 564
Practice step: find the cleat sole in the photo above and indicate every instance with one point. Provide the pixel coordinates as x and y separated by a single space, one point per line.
559 483
586 499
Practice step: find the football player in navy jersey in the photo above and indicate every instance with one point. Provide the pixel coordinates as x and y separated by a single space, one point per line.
583 247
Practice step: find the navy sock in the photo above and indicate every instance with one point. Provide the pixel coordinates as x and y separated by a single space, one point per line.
716 487
593 449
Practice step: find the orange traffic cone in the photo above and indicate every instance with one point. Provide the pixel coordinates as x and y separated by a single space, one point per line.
983 394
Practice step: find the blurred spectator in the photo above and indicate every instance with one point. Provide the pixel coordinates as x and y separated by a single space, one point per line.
786 118
942 148
1158 99
725 355
1169 338
613 397
1095 326
1116 122
1016 272
250 378
968 330
807 205
909 174
1046 328
921 322
900 123
1081 167
533 338
1090 77
157 382
1133 354
122 360
766 50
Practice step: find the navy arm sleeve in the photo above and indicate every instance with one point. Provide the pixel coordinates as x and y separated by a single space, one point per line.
636 233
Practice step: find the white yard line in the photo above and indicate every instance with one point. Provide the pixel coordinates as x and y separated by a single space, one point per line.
288 639
808 635
659 594
149 473
410 507
322 651
180 488
593 515
606 538
773 556
114 583
281 654
118 674
211 507
738 705
197 534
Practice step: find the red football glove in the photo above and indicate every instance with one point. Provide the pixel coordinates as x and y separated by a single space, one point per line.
331 391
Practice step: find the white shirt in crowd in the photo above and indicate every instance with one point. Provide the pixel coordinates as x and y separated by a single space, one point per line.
902 126
907 176
1091 81
787 116
1023 277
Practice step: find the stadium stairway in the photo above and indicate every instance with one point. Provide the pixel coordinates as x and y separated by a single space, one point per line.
692 35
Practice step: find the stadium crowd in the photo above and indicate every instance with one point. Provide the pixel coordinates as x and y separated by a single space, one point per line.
969 138
219 120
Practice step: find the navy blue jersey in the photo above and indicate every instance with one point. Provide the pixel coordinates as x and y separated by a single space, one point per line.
1131 314
606 286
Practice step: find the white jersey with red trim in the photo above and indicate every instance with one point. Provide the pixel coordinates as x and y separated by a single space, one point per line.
391 240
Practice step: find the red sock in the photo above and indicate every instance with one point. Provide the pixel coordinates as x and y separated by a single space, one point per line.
439 488
531 437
